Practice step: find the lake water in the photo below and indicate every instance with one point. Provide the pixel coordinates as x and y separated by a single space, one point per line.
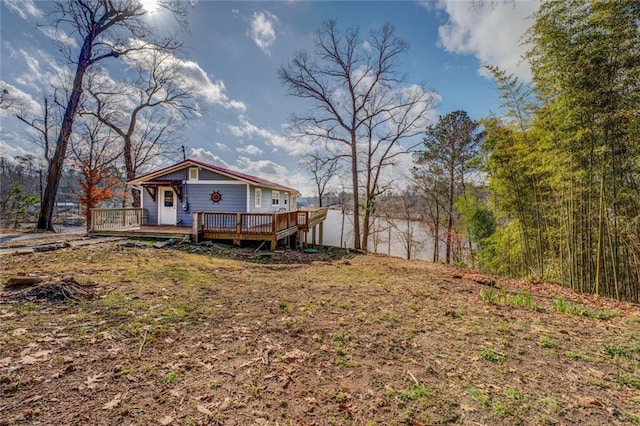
390 243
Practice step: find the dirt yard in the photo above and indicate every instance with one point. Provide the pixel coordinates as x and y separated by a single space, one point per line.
197 335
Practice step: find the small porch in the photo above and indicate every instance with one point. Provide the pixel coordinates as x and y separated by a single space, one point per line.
238 227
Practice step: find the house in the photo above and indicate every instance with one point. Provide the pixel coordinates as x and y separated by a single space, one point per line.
203 201
171 195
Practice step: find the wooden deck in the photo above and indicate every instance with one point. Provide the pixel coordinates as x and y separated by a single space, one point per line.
237 227
148 231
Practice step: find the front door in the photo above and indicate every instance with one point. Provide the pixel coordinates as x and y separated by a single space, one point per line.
167 207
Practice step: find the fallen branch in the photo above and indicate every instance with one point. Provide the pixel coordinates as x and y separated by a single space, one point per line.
144 339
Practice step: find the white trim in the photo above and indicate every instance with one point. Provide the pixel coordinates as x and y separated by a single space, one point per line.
217 182
248 198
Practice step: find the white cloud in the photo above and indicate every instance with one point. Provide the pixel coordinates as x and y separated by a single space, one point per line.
274 172
263 30
250 149
222 147
58 35
42 70
492 32
212 91
208 157
12 146
24 8
247 130
15 100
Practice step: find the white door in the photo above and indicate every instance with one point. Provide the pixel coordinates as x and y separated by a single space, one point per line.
167 206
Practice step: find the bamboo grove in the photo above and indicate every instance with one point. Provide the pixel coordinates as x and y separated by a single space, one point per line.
563 162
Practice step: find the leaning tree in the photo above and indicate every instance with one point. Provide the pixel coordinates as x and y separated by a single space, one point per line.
103 29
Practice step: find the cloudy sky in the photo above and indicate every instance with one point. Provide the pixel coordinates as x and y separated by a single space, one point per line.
234 51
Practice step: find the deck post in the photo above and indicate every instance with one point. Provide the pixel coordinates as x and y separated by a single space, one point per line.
313 236
238 224
195 230
321 230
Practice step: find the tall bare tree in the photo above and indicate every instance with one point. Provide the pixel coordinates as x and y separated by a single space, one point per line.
353 85
146 113
104 30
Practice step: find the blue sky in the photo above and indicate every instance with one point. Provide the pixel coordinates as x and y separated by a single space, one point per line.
234 50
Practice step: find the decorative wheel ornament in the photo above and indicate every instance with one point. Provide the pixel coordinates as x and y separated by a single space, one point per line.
216 197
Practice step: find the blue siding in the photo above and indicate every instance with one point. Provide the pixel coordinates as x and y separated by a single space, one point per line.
234 199
203 174
209 175
151 208
266 205
177 175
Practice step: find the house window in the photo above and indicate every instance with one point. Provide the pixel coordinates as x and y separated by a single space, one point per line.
258 198
168 198
193 173
275 198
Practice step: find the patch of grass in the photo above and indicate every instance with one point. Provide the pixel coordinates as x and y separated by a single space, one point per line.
492 356
489 295
633 418
478 397
518 300
565 307
614 351
501 409
578 356
170 378
285 306
215 384
416 393
629 380
551 404
547 343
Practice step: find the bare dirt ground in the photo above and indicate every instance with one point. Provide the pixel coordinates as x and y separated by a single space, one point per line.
193 335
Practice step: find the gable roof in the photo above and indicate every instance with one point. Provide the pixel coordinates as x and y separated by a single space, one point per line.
225 172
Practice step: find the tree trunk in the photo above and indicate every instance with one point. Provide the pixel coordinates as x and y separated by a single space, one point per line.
45 220
450 220
356 197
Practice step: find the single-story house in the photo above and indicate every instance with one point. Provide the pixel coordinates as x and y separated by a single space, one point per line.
170 195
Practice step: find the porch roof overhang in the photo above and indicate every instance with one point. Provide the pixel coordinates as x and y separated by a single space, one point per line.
151 186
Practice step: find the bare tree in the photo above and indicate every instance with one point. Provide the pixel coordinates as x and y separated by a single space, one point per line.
323 168
104 29
353 86
147 113
93 154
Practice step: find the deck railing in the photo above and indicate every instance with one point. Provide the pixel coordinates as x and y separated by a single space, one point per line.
121 218
243 223
309 218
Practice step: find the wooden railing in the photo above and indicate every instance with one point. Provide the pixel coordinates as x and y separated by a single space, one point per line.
309 218
123 218
243 223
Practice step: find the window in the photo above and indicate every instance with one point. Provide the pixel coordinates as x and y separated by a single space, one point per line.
193 173
168 198
258 194
275 198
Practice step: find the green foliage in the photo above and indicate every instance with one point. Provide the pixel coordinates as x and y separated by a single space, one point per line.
19 203
563 161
